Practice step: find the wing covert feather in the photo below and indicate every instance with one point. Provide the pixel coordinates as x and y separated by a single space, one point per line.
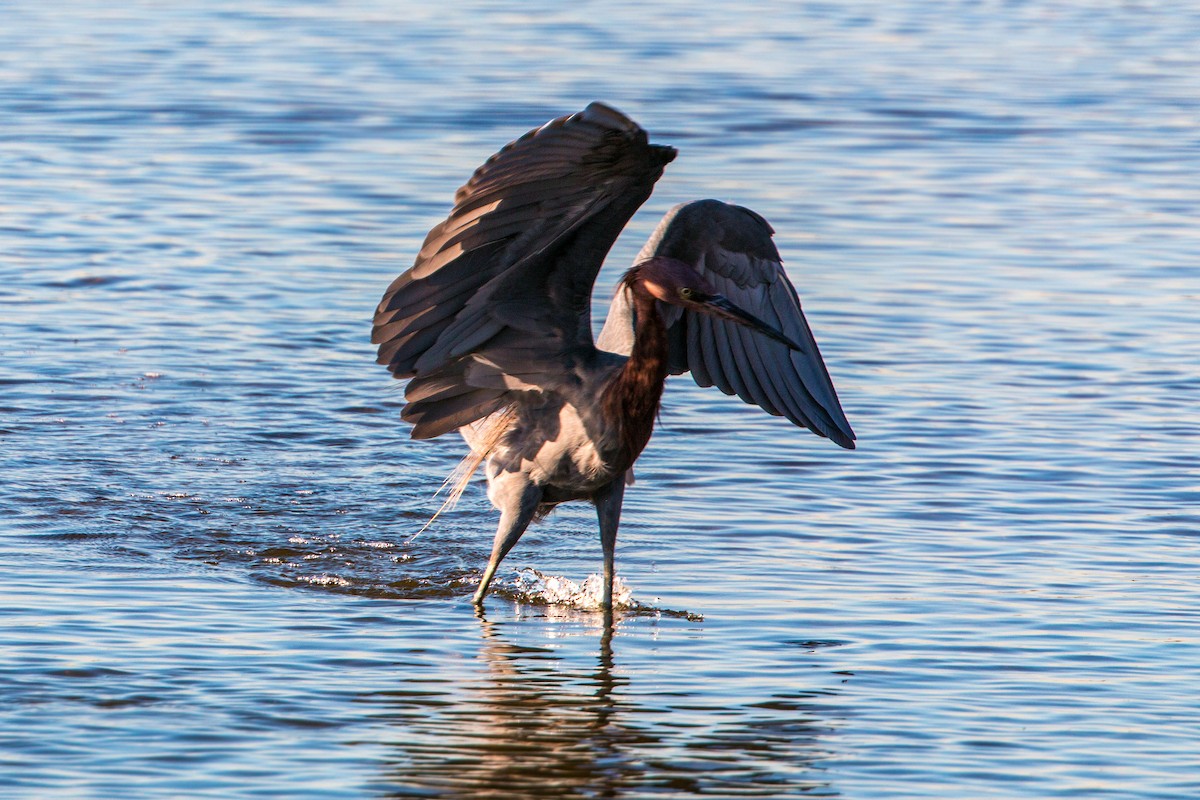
732 248
519 252
534 223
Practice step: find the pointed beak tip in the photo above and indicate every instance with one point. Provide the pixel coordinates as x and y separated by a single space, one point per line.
730 311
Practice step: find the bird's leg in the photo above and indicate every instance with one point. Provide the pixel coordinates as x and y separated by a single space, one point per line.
608 509
517 500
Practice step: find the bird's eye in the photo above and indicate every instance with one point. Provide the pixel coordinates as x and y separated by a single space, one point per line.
687 294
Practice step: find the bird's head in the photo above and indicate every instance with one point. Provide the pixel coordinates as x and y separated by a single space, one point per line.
675 282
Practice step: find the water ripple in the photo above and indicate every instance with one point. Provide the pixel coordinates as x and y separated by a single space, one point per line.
212 586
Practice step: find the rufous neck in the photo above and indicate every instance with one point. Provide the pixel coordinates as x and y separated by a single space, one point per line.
632 400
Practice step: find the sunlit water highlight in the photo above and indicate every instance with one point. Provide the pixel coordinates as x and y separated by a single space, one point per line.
211 586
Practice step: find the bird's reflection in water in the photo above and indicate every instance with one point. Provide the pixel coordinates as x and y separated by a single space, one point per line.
531 725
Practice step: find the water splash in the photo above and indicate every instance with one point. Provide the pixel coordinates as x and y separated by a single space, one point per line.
532 585
554 591
325 580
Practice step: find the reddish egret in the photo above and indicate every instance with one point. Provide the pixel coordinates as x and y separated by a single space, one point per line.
493 324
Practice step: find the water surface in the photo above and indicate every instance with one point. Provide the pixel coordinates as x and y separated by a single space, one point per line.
211 582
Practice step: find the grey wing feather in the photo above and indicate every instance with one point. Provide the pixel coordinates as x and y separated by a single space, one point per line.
731 247
519 254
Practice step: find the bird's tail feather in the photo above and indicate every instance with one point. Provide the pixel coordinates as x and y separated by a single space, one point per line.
493 429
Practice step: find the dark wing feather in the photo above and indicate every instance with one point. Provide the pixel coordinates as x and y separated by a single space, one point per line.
518 253
732 248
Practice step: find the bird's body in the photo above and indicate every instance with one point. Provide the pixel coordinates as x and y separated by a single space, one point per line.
493 326
560 441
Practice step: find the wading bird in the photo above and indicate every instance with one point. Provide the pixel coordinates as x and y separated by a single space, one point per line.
493 324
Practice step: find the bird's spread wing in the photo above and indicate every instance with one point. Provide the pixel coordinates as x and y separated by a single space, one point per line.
499 297
732 248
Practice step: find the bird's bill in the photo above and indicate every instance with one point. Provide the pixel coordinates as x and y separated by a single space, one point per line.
720 307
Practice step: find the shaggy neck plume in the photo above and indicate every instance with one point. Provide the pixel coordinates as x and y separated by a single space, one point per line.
631 400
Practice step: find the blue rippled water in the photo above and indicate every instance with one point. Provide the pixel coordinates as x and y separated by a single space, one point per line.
211 586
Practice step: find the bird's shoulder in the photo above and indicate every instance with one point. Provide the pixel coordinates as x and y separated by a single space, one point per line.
729 241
